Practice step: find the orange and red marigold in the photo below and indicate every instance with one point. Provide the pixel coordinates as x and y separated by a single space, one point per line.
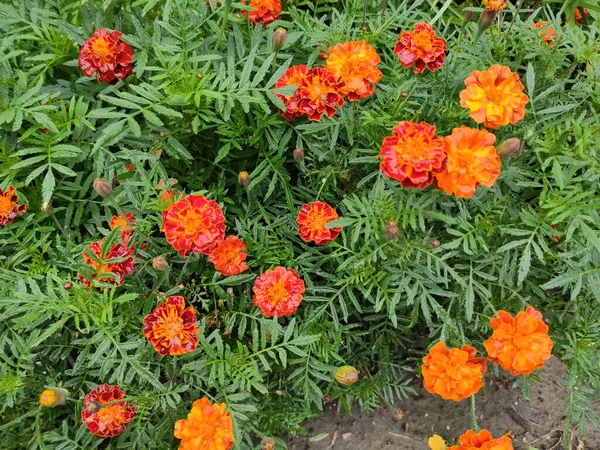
110 269
354 64
494 5
194 224
421 48
107 56
265 11
171 327
453 374
278 292
110 420
8 206
229 256
472 160
125 223
312 219
207 427
548 33
494 97
579 17
482 440
519 344
413 154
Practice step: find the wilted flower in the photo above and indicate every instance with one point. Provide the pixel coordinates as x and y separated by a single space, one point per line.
312 220
482 440
111 268
103 187
160 263
53 396
107 56
278 292
268 444
421 48
279 38
265 11
346 375
229 256
8 206
207 427
110 420
391 230
244 178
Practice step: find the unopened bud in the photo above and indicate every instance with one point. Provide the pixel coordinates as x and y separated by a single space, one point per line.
229 291
299 154
278 392
403 94
160 263
391 230
157 152
468 15
53 396
486 20
199 75
93 407
47 208
244 178
435 243
279 38
346 375
508 147
103 187
268 444
68 285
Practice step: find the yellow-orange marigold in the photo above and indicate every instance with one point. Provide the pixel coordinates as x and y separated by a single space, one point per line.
355 65
472 160
453 374
494 97
519 344
125 222
194 224
548 33
229 256
265 11
421 48
8 206
312 219
482 441
494 5
207 427
278 292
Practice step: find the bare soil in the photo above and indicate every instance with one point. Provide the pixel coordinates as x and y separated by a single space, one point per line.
534 424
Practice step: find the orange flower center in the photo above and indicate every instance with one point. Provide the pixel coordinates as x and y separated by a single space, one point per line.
121 222
6 205
110 415
422 40
192 222
101 48
277 293
48 397
172 327
316 221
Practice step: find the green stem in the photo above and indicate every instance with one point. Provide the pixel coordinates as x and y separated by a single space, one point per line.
473 415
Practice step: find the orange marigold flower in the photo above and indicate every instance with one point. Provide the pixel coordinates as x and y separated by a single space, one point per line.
519 344
108 421
494 5
482 441
171 327
311 221
413 154
129 167
495 97
125 223
107 56
579 18
548 33
319 95
229 256
111 268
355 65
194 224
294 76
421 48
278 292
8 206
472 160
453 374
265 11
207 427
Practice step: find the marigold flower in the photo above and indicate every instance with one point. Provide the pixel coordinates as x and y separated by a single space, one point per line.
8 206
110 420
207 427
294 76
519 344
111 269
413 154
311 221
171 327
265 11
436 442
129 167
494 5
453 374
472 160
579 17
125 223
482 441
278 292
319 95
355 65
194 224
495 97
53 396
421 48
229 256
107 56
548 33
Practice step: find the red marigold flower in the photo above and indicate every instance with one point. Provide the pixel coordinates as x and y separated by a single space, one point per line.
129 167
421 48
355 65
8 206
519 344
171 327
294 76
413 154
472 160
482 441
548 33
495 97
107 56
110 420
579 18
194 224
125 223
453 374
278 292
207 427
311 221
110 269
494 5
229 256
265 11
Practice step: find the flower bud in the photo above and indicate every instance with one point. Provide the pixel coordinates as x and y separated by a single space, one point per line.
47 208
244 178
486 20
157 153
278 392
391 230
435 243
102 187
68 285
279 38
468 15
268 444
93 407
160 263
508 147
53 396
299 154
346 375
403 94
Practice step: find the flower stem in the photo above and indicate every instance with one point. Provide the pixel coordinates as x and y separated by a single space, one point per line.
473 415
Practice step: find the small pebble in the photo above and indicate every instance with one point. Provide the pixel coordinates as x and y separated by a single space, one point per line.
346 435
